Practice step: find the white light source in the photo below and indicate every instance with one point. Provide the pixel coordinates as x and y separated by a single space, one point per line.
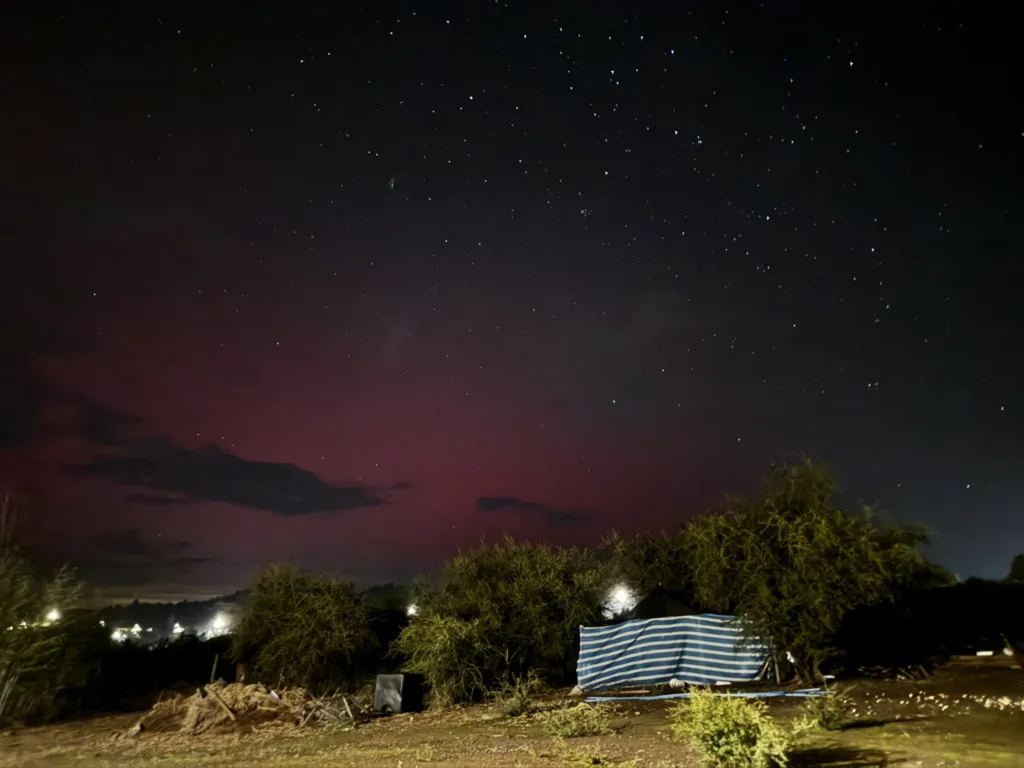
412 610
53 615
220 623
117 636
177 629
620 599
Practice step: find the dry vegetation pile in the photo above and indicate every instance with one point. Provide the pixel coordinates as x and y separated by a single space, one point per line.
221 705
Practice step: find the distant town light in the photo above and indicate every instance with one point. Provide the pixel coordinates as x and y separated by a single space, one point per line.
220 623
53 615
136 629
117 636
412 610
177 629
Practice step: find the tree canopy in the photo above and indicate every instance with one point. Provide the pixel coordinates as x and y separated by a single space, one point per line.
793 564
508 609
301 629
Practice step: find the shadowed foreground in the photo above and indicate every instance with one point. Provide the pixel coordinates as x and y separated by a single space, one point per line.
966 715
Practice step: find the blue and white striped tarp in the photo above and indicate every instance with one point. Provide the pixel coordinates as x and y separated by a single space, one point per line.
700 650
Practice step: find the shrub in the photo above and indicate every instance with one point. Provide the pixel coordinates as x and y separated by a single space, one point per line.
298 629
573 722
730 732
516 698
829 712
35 654
451 654
503 610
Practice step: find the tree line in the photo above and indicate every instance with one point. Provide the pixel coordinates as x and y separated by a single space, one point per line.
790 562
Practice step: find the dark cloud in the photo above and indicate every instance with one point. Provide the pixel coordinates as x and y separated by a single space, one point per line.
127 543
156 500
130 543
513 503
101 425
401 485
129 558
212 474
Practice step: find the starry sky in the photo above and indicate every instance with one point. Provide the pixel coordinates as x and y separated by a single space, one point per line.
354 287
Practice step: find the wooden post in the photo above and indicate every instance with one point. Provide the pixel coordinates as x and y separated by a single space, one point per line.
213 672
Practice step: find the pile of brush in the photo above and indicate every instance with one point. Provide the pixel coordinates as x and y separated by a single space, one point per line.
220 705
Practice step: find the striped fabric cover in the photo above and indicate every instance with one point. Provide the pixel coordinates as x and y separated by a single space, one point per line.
701 649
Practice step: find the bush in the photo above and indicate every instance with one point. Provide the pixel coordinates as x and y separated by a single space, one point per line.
516 698
730 732
450 653
501 612
573 722
35 662
829 712
37 655
297 629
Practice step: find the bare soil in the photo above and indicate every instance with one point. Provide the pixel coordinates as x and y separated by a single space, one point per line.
968 714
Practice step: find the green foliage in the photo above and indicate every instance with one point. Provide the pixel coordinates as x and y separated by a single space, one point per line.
499 613
575 722
299 629
793 564
451 653
730 732
829 712
646 562
34 659
516 698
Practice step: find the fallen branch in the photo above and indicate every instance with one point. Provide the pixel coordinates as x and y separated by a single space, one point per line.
219 700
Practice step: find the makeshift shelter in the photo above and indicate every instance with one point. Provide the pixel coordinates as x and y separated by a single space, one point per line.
699 649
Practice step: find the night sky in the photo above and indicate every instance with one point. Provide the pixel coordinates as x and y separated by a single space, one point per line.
354 287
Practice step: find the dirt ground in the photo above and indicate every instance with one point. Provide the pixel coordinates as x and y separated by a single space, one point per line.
968 714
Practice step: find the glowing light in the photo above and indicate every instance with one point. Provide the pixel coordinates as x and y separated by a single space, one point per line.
620 599
117 636
412 610
136 629
177 629
53 615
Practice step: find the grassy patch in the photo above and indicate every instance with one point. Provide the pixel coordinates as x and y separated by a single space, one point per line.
574 722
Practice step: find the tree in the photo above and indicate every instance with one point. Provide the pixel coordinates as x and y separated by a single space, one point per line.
646 562
499 613
301 629
793 564
35 662
1016 575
